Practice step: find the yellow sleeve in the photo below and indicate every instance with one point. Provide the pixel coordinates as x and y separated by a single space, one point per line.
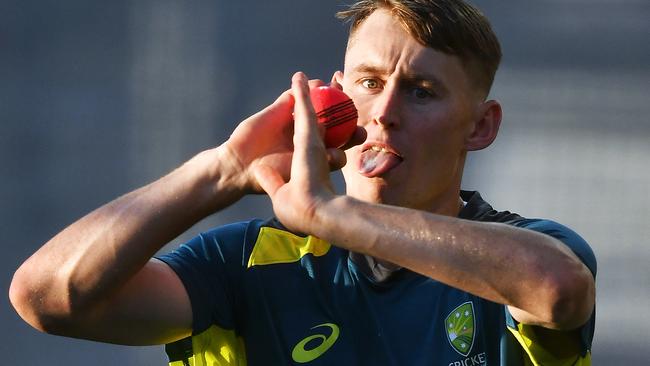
547 347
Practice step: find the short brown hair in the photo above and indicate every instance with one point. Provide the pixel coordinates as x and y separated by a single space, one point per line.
453 27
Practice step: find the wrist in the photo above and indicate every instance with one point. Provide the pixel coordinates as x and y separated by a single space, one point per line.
217 176
332 220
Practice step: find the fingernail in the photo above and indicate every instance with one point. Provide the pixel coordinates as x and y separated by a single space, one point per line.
300 76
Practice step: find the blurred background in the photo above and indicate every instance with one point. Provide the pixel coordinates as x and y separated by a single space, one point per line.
98 98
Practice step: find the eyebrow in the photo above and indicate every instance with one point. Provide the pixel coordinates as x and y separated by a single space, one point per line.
409 77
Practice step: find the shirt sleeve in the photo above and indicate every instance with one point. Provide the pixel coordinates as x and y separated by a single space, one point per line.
210 267
584 252
567 236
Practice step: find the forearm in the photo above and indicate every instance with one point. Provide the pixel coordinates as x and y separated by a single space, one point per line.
508 265
96 255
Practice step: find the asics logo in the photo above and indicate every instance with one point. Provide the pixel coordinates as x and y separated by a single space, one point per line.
302 355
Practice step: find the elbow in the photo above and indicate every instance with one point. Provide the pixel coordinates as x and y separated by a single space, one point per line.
571 299
25 300
34 305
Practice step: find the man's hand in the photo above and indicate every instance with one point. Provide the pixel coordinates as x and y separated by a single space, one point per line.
266 139
296 198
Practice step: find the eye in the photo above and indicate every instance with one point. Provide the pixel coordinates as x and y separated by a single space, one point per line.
421 93
370 83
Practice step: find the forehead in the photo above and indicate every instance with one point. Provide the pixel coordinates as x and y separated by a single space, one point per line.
383 42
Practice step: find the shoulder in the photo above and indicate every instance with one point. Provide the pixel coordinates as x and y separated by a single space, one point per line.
478 209
564 234
234 232
225 244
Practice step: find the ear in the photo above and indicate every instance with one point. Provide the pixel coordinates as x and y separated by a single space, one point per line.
486 126
337 80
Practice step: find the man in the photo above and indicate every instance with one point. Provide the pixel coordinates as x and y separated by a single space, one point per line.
405 269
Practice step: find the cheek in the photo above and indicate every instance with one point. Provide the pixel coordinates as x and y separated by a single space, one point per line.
363 105
361 100
437 139
428 124
443 122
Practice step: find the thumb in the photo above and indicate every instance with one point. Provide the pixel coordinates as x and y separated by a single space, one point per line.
336 159
268 178
337 77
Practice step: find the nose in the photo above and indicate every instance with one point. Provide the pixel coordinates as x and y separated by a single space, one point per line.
385 110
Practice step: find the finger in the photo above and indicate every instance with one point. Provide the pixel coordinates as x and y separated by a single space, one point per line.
315 83
281 107
359 136
275 122
269 179
305 126
336 159
337 79
278 114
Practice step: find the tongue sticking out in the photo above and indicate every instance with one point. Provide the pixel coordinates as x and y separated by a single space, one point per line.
374 163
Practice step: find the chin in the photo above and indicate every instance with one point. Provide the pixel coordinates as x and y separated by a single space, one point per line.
374 190
363 192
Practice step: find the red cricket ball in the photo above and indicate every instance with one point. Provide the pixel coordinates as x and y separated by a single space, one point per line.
337 112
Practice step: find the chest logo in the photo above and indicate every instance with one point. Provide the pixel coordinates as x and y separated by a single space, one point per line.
318 344
459 326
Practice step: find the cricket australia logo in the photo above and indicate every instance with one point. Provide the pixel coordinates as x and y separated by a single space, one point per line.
460 326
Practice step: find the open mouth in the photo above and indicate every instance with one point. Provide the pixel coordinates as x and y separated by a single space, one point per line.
377 159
